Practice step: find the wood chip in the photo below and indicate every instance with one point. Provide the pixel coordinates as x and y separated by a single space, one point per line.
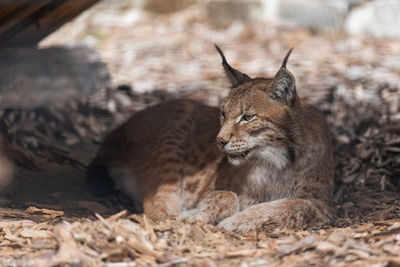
51 213
117 216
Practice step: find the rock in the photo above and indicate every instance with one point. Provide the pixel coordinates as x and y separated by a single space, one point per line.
31 77
113 11
227 11
162 6
378 18
318 15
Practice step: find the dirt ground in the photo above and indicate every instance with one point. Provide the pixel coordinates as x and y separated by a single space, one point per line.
48 218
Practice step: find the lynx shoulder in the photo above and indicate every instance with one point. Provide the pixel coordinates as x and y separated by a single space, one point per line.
264 160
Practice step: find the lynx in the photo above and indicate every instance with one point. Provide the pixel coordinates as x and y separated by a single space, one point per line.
263 161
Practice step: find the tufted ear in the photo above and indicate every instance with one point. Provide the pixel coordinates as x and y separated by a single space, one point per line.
284 85
235 77
285 60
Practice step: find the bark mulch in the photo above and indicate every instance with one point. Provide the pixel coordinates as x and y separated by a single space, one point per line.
50 219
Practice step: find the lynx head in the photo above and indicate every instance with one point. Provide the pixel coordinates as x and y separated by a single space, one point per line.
258 117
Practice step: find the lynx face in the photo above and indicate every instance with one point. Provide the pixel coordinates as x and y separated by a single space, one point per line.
256 118
257 130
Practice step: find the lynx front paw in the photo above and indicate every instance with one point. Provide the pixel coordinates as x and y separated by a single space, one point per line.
270 216
214 207
236 223
192 214
233 225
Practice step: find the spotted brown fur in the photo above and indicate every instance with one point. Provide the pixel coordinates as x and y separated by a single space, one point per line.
263 161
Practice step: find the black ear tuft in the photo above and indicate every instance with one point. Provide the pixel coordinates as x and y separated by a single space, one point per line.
235 77
221 54
286 58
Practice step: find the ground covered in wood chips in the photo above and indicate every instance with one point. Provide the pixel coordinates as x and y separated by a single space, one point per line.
48 218
133 240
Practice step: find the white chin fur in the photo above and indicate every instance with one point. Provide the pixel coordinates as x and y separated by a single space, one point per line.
274 155
235 161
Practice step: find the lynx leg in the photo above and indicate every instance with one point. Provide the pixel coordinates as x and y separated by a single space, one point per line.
126 181
165 198
165 203
214 207
287 212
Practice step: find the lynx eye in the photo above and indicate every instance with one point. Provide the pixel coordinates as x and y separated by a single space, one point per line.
222 115
247 118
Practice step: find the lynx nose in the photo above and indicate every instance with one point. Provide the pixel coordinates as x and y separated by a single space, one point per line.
221 141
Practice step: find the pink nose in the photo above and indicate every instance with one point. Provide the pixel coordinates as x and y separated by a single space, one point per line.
221 141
